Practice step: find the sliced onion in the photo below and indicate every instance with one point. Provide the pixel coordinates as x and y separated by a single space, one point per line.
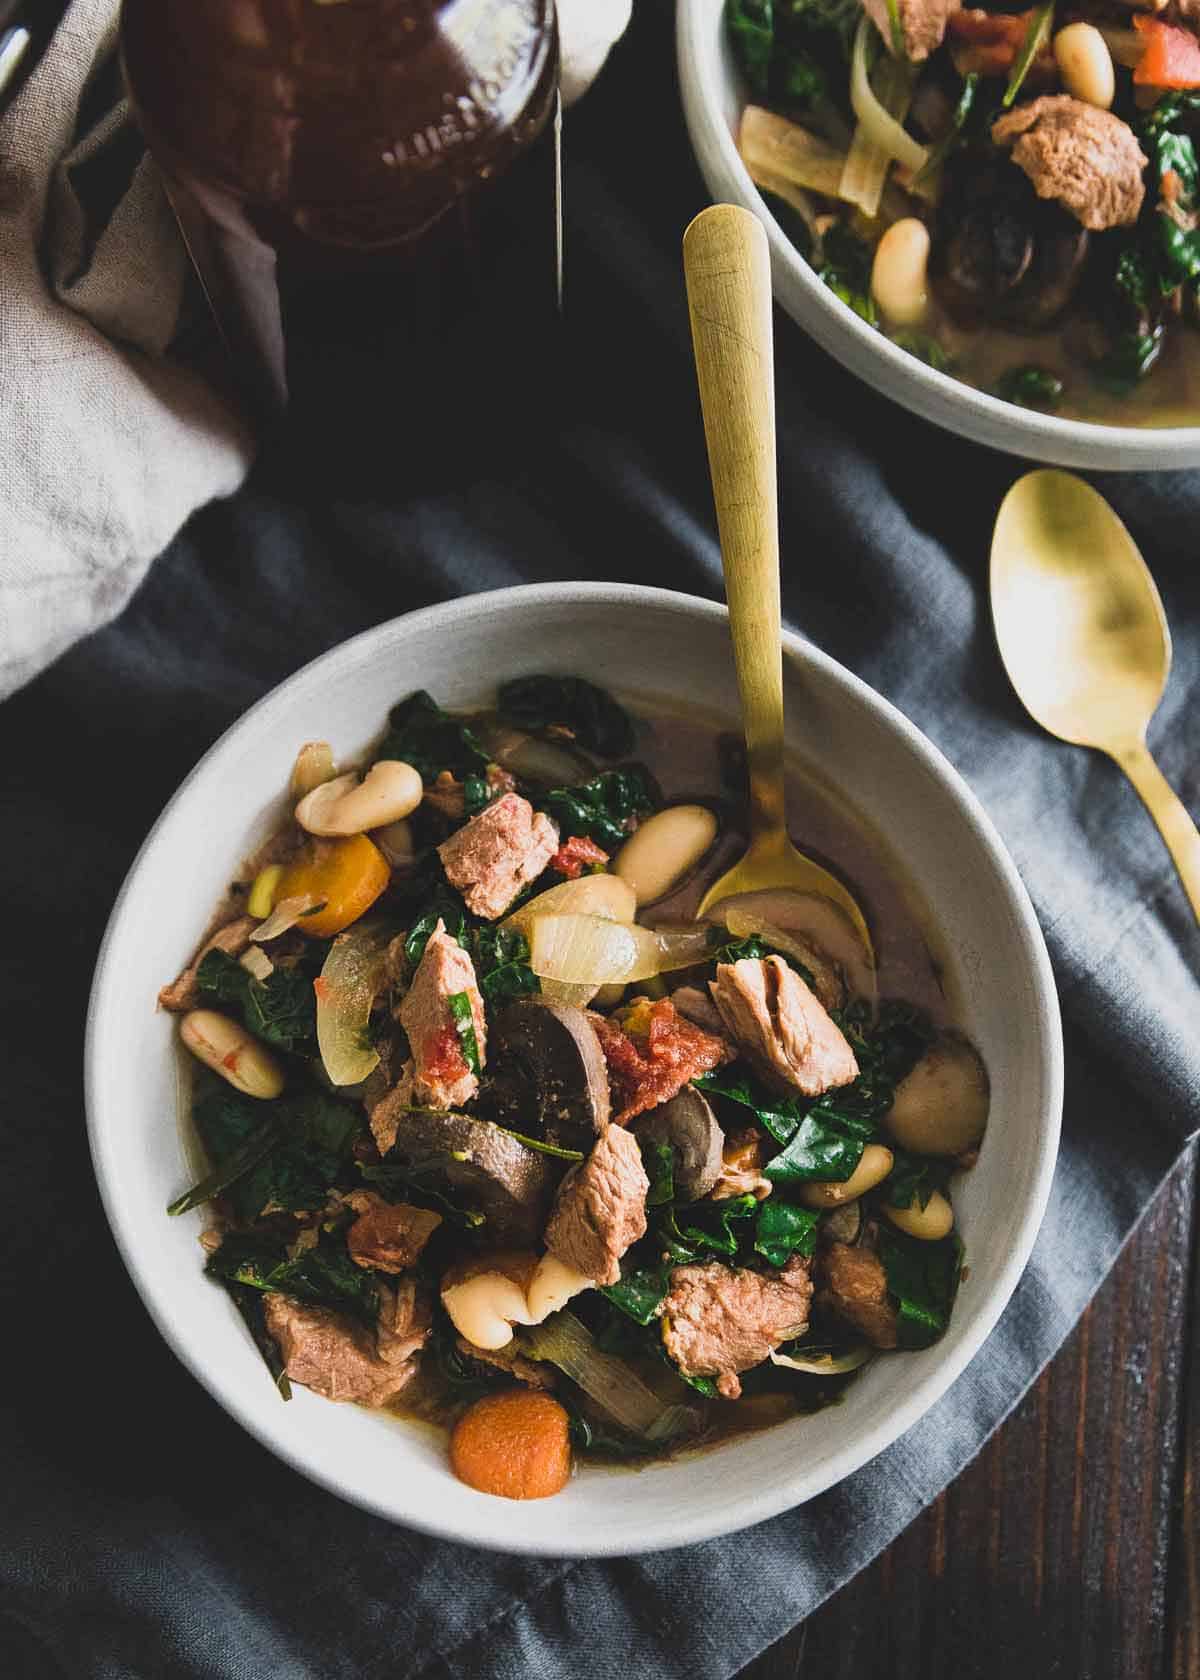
256 962
590 895
588 950
826 1364
614 1385
350 981
284 916
881 127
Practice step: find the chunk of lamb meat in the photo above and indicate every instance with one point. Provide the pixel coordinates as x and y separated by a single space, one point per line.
183 993
342 1360
922 24
441 1076
388 1236
651 1064
1084 157
781 1026
698 1008
717 1322
497 853
853 1284
600 1209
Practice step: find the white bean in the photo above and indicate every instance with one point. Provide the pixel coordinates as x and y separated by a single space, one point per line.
874 1167
664 849
1085 64
485 1307
899 273
552 1285
231 1051
313 766
929 1223
389 791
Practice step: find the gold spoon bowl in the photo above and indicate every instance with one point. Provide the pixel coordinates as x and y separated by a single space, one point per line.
1084 638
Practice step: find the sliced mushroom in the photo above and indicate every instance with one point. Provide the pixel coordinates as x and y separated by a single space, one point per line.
690 1127
1000 253
534 758
497 1176
819 935
941 1107
547 1074
844 1224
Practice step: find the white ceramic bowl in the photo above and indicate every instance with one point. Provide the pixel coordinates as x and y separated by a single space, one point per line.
640 640
713 98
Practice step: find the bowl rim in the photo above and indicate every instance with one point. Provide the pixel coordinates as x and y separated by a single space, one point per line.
656 1532
938 397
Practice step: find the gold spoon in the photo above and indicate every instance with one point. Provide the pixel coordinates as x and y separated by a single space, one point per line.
1084 639
728 270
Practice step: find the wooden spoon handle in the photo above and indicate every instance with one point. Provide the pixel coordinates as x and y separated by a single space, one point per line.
1170 813
727 266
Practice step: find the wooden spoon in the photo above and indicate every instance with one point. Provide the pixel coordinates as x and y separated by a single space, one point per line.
1084 639
728 272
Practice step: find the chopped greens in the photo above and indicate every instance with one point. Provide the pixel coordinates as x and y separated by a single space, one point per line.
420 733
914 1178
922 1278
1129 360
281 1010
601 809
1038 33
783 1229
793 53
846 270
478 794
659 1162
323 1274
501 959
1030 386
400 1180
588 713
311 1153
461 1013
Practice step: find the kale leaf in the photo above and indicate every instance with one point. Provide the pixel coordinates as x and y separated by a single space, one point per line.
323 1275
311 1154
659 1162
418 1182
501 959
281 1010
914 1178
601 808
1030 386
922 1278
754 945
783 1229
751 26
925 349
1130 359
591 714
421 734
846 270
461 1013
641 1291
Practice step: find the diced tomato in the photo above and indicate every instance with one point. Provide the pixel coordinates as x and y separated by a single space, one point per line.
987 43
651 1070
575 855
443 1060
1171 58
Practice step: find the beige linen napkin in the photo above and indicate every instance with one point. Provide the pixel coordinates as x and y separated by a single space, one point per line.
106 444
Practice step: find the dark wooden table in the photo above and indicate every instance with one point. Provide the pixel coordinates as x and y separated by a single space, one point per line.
1070 1546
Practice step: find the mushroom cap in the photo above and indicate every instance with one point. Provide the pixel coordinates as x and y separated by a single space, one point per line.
508 1183
689 1126
547 1074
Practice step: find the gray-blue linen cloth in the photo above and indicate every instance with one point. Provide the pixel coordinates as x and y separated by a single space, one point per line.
142 1533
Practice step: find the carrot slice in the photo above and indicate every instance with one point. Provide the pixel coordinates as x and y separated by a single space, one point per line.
514 1444
344 877
1171 58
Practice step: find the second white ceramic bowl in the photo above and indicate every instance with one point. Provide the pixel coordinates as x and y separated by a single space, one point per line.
713 98
643 641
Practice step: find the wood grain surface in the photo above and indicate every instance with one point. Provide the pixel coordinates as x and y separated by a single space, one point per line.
1069 1547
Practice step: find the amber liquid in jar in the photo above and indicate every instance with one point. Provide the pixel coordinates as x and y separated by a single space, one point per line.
371 192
